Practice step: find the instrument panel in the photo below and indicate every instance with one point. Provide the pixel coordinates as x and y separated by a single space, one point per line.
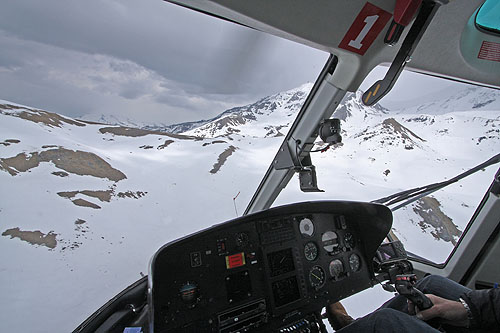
267 271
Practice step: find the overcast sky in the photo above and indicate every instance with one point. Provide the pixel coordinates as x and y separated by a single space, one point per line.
145 60
148 59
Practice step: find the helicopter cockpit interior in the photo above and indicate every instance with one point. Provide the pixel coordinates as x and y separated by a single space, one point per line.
275 269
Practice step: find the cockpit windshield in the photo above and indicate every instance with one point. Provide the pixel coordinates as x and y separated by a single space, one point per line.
124 126
103 153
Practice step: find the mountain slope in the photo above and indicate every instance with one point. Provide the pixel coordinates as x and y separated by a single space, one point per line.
267 117
85 205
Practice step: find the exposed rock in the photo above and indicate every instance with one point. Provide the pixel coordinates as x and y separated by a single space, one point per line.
441 226
76 162
425 119
85 203
33 237
391 133
222 159
60 173
166 144
480 105
38 116
130 194
274 131
136 132
20 163
492 134
8 142
104 196
400 129
213 142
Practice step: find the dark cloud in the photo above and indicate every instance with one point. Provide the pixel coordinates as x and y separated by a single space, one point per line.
78 84
147 51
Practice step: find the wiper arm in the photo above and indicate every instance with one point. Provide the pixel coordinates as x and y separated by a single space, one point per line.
419 192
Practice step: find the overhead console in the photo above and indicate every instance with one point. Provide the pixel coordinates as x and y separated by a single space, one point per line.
272 271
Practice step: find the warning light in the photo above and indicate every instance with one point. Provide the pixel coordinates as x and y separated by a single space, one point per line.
235 260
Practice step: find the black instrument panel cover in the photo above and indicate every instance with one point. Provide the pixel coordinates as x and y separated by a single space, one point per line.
194 279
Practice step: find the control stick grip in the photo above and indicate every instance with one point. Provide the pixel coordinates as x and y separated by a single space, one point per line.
404 286
419 299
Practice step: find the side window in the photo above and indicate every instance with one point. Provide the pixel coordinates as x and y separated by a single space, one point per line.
431 226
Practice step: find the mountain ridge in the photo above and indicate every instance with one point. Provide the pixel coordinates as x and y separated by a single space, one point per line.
72 223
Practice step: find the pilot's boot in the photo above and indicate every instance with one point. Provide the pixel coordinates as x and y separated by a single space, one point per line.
337 316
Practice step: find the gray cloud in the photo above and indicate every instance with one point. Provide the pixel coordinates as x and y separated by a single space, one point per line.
176 62
78 84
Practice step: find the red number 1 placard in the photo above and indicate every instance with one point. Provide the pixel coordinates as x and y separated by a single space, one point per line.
365 28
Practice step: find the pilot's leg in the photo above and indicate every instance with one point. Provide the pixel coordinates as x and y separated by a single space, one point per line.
387 321
442 287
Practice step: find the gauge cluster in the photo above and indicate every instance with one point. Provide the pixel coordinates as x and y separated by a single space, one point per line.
266 271
332 255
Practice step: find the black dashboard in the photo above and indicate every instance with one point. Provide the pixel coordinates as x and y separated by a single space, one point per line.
270 271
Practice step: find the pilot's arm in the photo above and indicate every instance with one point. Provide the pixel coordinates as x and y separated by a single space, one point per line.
477 309
337 316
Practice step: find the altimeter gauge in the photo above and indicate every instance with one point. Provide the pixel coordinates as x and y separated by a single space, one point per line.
311 251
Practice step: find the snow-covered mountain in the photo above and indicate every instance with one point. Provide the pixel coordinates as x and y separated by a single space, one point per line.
273 115
268 117
85 205
276 111
453 100
110 120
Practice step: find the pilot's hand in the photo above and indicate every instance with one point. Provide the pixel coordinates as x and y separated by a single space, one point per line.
337 316
450 312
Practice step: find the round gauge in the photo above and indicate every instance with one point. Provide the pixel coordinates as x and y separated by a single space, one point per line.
190 294
354 262
306 227
317 277
311 251
241 239
336 268
330 241
349 240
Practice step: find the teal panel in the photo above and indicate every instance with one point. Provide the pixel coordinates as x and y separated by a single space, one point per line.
488 16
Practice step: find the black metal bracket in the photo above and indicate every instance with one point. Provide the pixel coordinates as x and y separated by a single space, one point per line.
380 88
307 176
307 171
284 159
